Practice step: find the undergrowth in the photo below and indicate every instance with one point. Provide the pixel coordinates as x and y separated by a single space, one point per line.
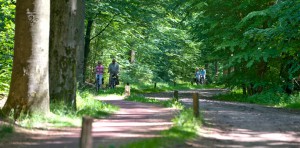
62 116
164 87
269 98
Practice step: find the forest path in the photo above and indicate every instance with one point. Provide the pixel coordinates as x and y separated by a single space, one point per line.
134 121
229 124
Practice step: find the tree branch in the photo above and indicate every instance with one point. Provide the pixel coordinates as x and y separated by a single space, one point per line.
99 33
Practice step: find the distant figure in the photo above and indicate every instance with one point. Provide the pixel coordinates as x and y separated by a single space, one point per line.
203 73
99 73
197 76
113 70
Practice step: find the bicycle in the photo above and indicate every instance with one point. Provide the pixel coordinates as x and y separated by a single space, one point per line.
113 81
201 81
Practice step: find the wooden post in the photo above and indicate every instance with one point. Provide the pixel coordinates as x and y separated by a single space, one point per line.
196 104
86 139
132 56
127 90
176 95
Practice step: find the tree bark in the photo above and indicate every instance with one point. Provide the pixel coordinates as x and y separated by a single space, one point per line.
29 88
87 45
79 37
64 44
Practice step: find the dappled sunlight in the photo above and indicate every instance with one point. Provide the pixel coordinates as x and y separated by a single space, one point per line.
229 124
244 135
133 121
109 97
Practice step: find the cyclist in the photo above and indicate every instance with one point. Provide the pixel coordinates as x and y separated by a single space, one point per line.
99 73
203 74
113 70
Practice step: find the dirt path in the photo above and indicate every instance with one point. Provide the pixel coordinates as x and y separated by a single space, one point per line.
242 125
134 121
226 125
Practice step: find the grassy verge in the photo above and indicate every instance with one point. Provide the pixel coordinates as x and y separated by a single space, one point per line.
185 125
268 98
149 88
62 116
168 103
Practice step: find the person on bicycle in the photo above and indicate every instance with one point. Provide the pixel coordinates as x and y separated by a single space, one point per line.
113 70
99 73
203 73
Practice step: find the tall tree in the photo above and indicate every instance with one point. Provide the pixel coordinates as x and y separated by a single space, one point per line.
66 38
79 38
29 88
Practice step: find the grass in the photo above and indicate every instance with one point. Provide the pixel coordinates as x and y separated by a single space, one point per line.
169 103
62 116
185 127
269 98
163 87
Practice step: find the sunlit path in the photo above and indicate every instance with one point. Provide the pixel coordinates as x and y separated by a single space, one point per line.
230 124
132 122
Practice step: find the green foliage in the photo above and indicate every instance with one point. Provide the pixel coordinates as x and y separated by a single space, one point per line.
271 98
7 26
142 88
256 42
162 48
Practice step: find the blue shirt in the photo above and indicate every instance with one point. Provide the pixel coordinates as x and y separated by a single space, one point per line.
203 72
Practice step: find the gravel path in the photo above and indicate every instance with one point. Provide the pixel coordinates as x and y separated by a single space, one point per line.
242 125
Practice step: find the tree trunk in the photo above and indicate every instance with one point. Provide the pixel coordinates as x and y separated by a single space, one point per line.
216 69
63 47
29 88
79 38
87 45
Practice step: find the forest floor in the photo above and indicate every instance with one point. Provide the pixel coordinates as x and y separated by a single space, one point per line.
226 124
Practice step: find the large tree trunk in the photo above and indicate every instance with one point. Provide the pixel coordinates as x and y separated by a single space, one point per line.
63 47
79 37
29 88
